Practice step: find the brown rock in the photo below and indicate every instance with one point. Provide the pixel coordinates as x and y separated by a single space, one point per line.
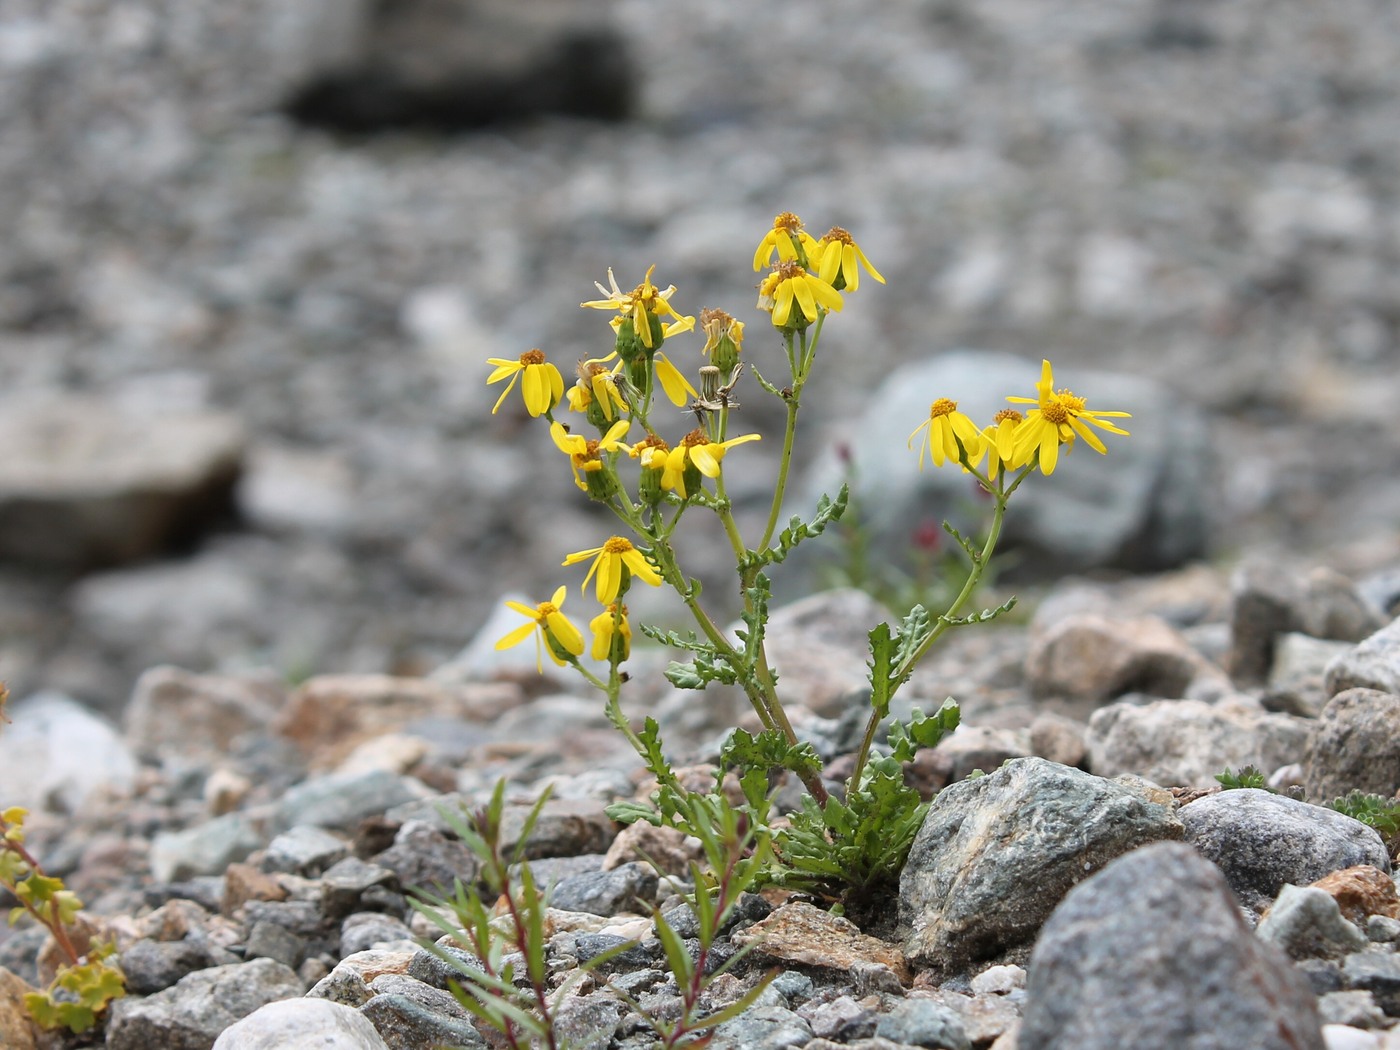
1091 657
1362 891
197 718
1059 739
801 933
244 883
664 847
18 1030
331 715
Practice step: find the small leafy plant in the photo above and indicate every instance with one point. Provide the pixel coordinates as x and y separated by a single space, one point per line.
624 455
89 977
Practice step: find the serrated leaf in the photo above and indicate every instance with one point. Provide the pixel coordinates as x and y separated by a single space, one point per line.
768 750
828 510
985 616
882 650
631 812
907 739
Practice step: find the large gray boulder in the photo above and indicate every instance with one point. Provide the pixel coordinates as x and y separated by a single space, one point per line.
1152 953
1140 507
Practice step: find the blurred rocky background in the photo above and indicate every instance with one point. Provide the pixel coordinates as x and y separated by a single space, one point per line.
253 255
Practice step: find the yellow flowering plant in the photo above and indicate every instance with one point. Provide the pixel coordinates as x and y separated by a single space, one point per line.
845 844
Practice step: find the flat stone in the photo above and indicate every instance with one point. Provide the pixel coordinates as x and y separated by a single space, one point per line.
197 719
800 933
301 1024
1152 953
57 755
1097 658
341 801
1355 746
205 849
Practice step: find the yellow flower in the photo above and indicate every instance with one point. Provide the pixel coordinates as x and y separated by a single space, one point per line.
596 385
1058 418
999 440
615 561
651 453
788 239
835 258
552 629
675 385
790 283
542 388
698 450
724 339
585 454
611 630
642 305
946 426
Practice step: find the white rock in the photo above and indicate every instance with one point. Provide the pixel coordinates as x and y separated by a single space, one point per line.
56 753
302 1024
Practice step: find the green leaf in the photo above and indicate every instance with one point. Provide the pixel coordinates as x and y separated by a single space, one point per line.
765 384
828 510
1248 777
906 739
985 616
768 750
882 650
631 812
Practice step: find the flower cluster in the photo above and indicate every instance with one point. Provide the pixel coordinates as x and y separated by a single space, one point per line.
1013 441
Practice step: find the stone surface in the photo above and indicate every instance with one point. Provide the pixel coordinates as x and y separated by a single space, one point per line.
629 888
15 1024
1097 658
197 719
1187 742
919 1022
1361 892
409 1013
83 483
1148 492
1355 746
301 1024
995 854
819 647
1373 664
1296 683
55 754
341 801
1260 841
1152 953
566 827
205 849
190 1015
1305 922
801 933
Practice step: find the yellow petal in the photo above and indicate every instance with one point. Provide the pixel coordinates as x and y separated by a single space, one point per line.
1090 438
848 267
802 288
609 577
825 294
782 303
830 262
509 387
573 444
705 459
506 368
866 263
672 382
1049 453
641 568
517 636
565 633
535 389
578 556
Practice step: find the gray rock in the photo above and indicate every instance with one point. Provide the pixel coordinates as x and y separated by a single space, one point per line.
767 1028
425 858
368 929
970 748
345 884
205 849
304 850
1356 1009
341 801
1296 684
83 483
1148 493
55 754
922 1022
567 827
588 1022
1355 746
410 1015
301 1024
1374 664
152 966
995 854
433 969
630 887
1377 973
1187 742
1152 953
1097 658
268 940
1260 841
841 1018
190 1015
1306 922
819 646
196 719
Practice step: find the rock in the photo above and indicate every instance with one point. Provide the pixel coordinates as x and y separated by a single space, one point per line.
340 801
408 1013
1095 658
205 849
800 933
452 65
347 882
1355 746
1374 664
566 827
630 888
301 1024
996 853
1148 493
298 490
1260 841
83 483
667 848
766 1028
268 940
1059 739
329 716
1187 742
1152 953
819 646
304 849
919 1022
1305 922
588 1022
19 1031
969 748
152 966
425 858
56 754
367 930
194 720
999 980
1267 603
1357 1009
191 1015
244 883
348 983
841 1019
1296 683
1377 973
1362 892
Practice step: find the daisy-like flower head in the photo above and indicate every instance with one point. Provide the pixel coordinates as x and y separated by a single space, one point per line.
947 426
597 385
543 386
697 454
1058 418
586 454
724 339
788 239
612 634
836 257
651 453
791 282
553 631
616 562
999 439
645 306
